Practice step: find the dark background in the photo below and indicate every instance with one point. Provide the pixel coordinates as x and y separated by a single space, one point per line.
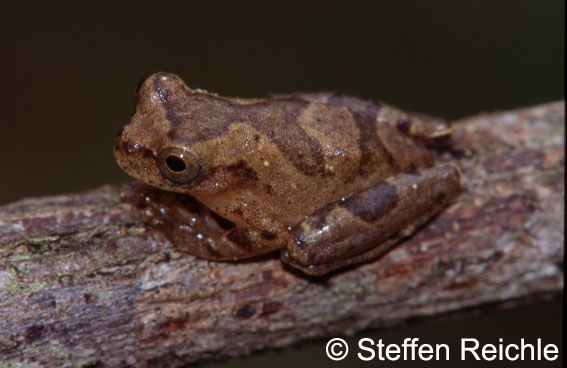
68 71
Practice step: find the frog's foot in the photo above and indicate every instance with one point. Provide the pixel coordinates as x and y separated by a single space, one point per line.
324 268
368 223
196 230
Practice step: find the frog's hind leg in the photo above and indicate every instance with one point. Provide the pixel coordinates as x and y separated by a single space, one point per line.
194 229
368 223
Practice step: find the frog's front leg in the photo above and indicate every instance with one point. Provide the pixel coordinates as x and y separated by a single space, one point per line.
194 228
368 223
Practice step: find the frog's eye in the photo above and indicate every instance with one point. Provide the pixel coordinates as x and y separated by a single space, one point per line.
177 165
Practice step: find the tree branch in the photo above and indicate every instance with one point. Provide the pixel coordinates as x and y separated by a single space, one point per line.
83 282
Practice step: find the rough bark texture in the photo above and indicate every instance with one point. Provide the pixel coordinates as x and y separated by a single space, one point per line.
84 283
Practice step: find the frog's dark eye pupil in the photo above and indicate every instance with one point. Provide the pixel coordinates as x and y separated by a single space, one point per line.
175 164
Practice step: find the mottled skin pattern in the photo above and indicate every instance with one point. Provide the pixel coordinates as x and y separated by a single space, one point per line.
331 179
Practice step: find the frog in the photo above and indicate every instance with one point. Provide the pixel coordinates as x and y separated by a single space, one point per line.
328 179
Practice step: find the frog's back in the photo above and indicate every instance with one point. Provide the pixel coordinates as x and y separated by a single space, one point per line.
327 152
333 143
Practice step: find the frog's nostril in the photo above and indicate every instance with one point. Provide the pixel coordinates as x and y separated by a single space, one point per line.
175 164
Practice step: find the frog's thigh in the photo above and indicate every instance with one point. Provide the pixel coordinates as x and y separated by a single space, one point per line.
368 223
192 228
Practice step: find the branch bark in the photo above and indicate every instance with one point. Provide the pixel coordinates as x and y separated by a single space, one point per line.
84 283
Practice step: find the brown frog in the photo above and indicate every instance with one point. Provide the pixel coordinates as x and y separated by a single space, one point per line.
331 180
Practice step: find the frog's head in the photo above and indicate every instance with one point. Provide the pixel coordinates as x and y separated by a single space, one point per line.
167 143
